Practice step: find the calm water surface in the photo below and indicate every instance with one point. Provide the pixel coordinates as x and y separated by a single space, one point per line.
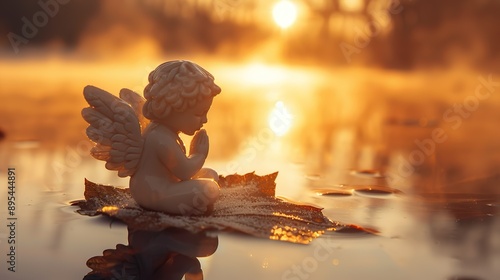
367 160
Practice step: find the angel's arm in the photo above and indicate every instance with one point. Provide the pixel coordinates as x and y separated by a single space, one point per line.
175 160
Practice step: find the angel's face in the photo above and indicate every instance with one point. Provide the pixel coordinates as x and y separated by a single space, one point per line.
191 120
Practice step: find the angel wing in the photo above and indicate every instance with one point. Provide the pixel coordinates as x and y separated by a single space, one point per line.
115 128
137 102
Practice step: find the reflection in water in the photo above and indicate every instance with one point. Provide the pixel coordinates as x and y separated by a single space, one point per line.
280 119
463 221
168 254
368 190
350 128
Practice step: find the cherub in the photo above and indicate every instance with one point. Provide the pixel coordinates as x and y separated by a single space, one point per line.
139 137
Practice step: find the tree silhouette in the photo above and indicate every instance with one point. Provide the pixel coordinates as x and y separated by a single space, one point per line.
66 24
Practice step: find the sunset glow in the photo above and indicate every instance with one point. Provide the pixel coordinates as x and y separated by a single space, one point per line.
280 120
351 5
284 13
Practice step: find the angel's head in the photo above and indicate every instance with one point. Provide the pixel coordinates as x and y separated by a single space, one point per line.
179 94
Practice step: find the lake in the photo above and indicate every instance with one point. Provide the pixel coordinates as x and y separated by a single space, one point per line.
412 156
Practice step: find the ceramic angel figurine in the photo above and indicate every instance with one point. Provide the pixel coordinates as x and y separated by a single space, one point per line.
139 137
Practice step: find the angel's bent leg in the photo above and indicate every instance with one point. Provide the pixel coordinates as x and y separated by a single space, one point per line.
208 173
192 197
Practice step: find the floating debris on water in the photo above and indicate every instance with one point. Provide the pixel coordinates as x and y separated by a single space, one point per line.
376 190
348 190
367 173
335 192
355 229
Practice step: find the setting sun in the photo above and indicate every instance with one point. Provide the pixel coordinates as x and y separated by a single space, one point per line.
285 13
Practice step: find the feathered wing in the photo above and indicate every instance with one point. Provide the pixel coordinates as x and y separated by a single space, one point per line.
137 102
115 128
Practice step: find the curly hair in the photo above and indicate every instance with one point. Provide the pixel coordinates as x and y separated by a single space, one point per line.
175 86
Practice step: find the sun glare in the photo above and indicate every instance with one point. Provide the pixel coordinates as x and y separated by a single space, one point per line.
280 120
285 13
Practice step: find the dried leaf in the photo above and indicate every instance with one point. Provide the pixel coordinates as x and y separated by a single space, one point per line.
247 204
